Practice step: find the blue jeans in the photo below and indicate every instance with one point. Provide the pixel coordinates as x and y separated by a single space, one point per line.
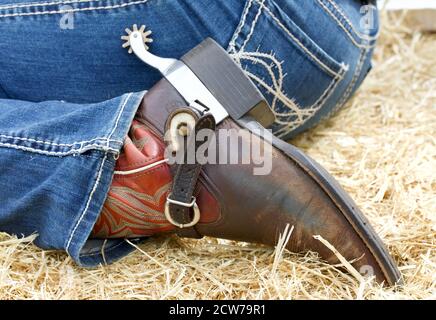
69 92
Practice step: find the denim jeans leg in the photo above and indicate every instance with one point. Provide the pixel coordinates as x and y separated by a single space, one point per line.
306 57
57 161
58 157
3 94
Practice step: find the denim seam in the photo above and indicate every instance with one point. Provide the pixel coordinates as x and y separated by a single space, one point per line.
331 87
40 4
85 210
125 4
253 25
117 120
82 145
232 44
356 75
88 202
60 153
340 24
297 41
59 144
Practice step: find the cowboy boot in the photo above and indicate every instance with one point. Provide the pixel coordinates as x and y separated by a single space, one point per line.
150 195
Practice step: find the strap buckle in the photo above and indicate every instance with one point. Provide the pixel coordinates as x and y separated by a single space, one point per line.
192 204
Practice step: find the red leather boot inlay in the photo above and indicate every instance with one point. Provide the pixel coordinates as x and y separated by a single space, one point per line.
135 203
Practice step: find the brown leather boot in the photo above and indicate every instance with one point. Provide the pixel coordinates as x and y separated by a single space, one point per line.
228 200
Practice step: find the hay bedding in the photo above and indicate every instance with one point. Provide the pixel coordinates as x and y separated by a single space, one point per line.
381 148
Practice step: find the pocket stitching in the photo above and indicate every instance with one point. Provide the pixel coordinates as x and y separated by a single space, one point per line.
293 38
356 75
117 6
238 56
276 90
253 25
232 44
317 105
297 41
40 4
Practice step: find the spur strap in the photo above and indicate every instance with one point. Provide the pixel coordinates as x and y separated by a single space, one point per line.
181 208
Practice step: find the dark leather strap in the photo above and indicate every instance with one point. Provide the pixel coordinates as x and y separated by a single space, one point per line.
186 177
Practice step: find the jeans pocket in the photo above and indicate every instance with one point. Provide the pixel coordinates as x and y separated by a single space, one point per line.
294 73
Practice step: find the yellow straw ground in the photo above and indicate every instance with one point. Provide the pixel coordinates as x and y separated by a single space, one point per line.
381 148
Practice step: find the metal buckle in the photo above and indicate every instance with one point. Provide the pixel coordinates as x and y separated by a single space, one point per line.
181 124
192 204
